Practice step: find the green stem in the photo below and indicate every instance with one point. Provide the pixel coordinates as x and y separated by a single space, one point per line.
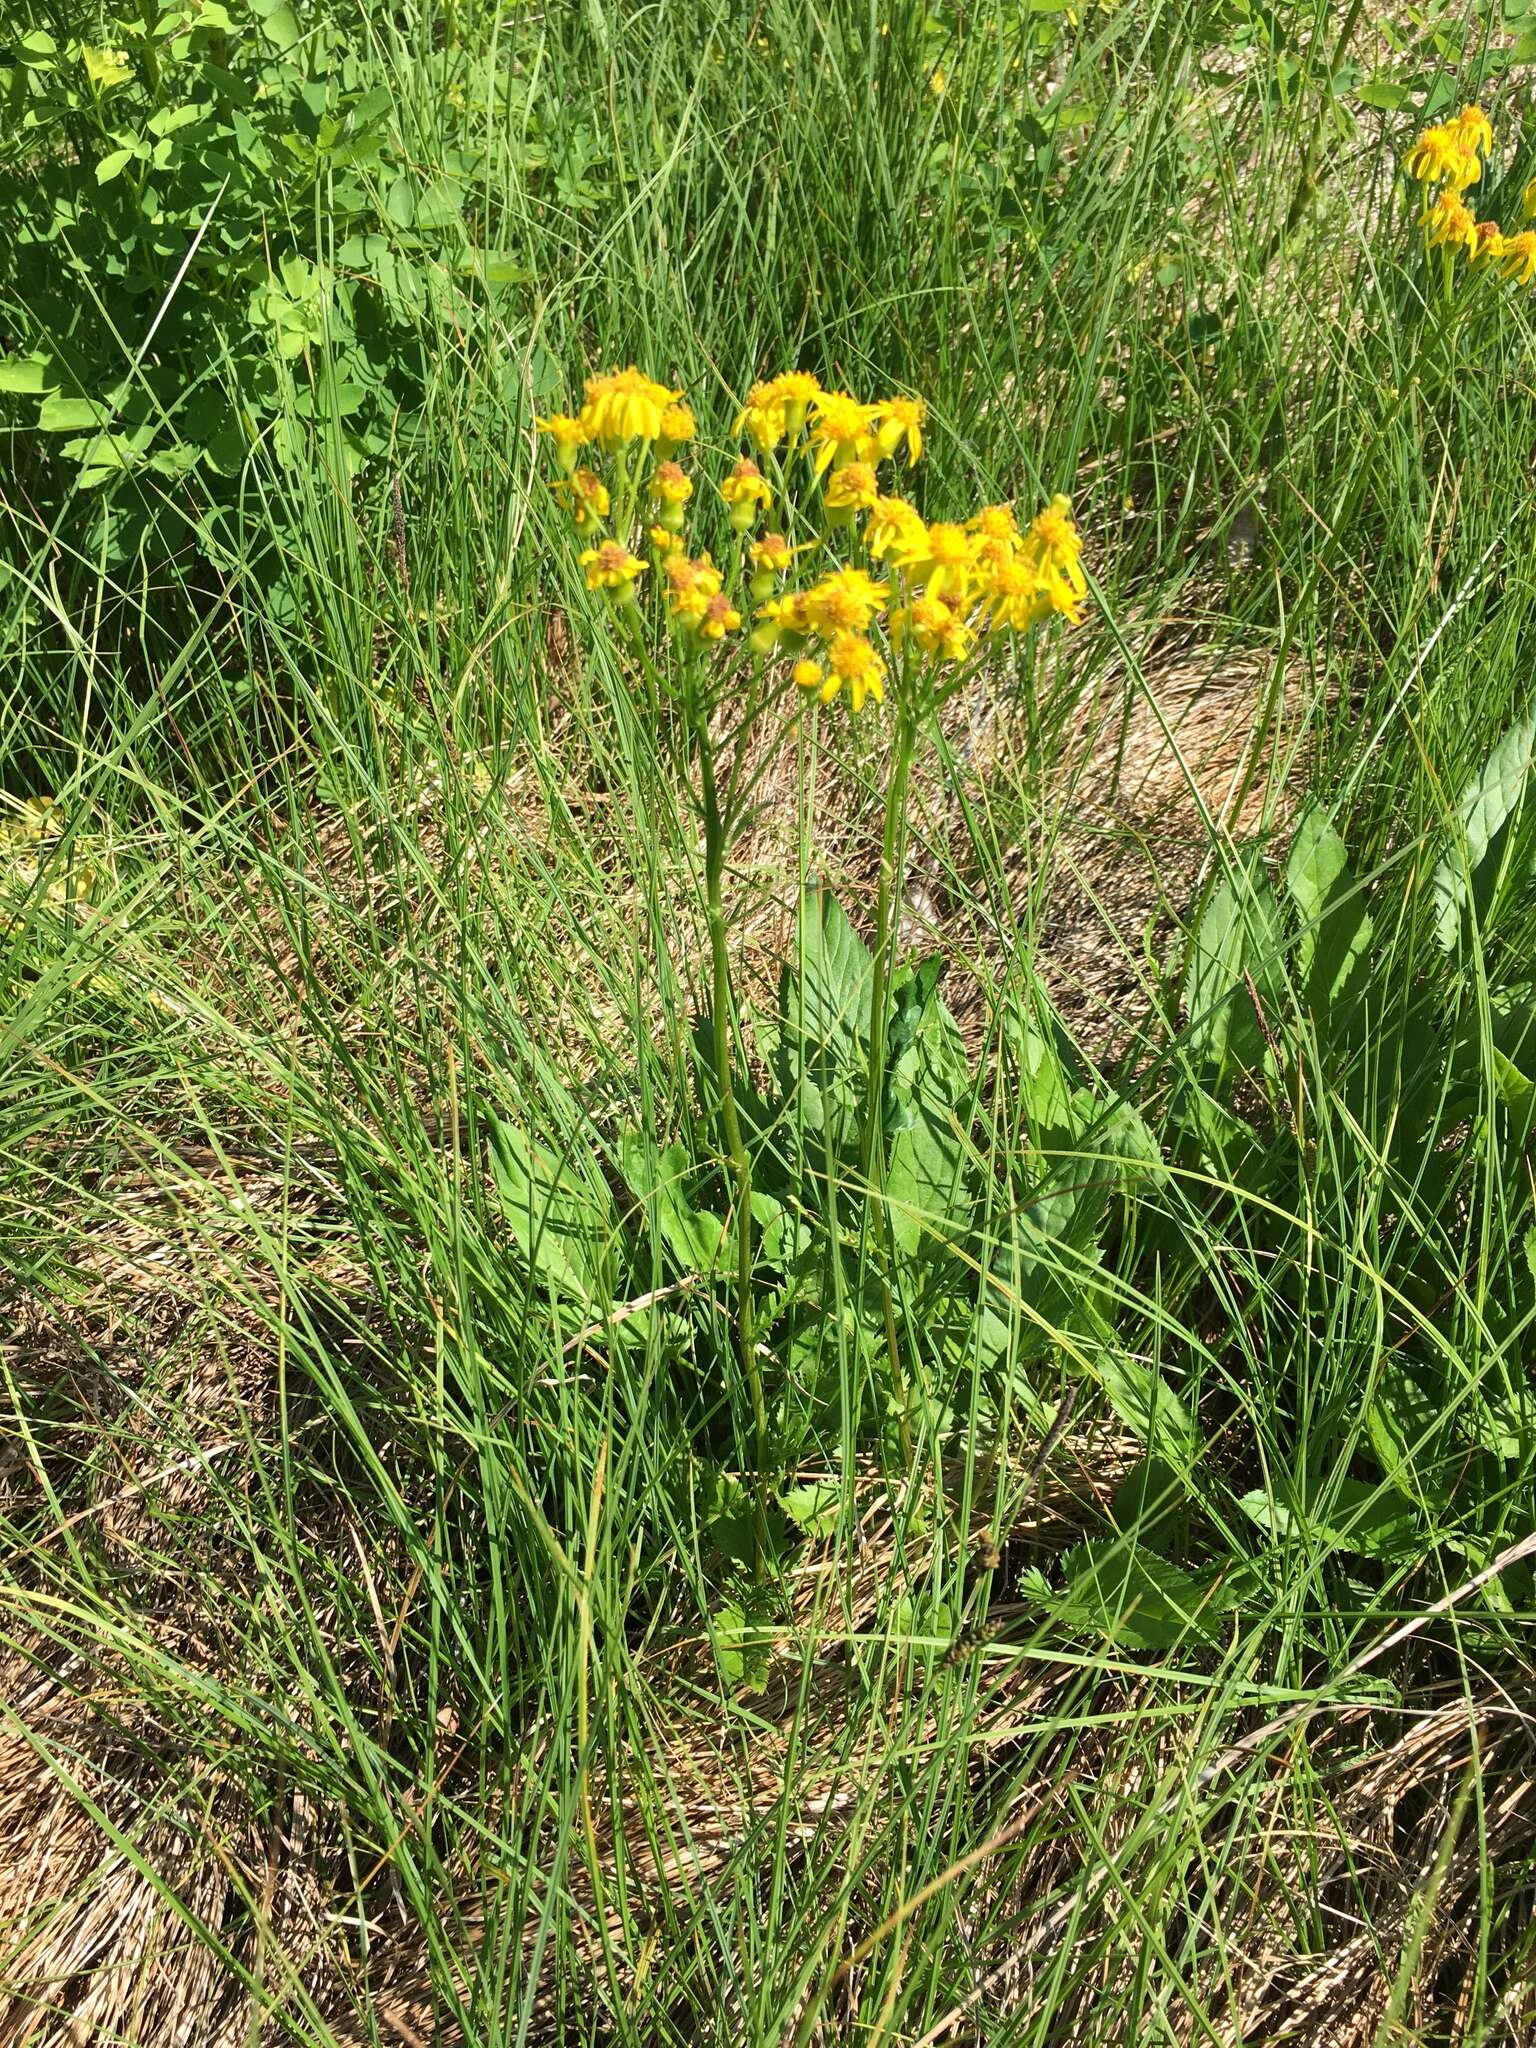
871 1148
715 841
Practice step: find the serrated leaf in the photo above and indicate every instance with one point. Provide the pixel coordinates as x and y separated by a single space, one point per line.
1122 1590
1487 805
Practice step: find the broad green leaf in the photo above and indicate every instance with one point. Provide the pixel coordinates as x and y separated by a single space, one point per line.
1360 1518
1238 936
28 376
1487 805
561 1226
1149 1408
1336 927
281 29
114 162
69 415
1406 1420
927 1104
660 1180
824 1043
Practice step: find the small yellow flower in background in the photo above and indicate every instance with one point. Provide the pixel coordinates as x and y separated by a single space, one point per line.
1450 224
1441 156
625 406
1490 242
1518 258
1055 549
691 583
720 617
841 432
845 601
852 660
105 68
764 417
567 433
747 492
851 490
671 489
937 82
781 619
936 628
677 426
666 543
796 391
901 419
1473 130
588 495
771 557
808 674
612 567
895 528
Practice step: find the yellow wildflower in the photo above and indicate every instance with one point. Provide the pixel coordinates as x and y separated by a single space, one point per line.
691 583
1473 130
625 405
796 391
851 660
771 556
745 490
1490 242
105 68
845 601
938 83
894 525
940 559
567 434
612 567
1518 259
588 495
901 419
763 417
842 430
1012 595
851 490
935 627
720 617
1055 550
677 426
1450 225
779 619
1441 156
666 543
671 489
808 674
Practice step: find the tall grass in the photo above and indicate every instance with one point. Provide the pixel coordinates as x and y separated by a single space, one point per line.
384 1617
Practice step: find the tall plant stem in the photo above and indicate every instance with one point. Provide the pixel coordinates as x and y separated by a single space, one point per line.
871 1147
715 837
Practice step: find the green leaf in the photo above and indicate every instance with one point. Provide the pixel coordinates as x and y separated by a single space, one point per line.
1149 1408
69 415
1358 1517
281 28
1384 93
115 161
28 376
1336 926
823 1052
927 1105
1238 935
561 1226
1487 805
660 1179
1121 1590
1405 1420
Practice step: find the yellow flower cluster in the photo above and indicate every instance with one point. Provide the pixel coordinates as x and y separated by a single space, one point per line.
1447 160
930 588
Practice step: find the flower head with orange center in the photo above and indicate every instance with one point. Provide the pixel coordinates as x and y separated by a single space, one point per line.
567 433
901 420
588 496
720 617
780 619
852 660
613 568
1441 156
895 528
691 583
1490 242
772 552
666 542
1518 260
851 490
1054 549
846 601
841 432
936 628
625 405
1449 224
670 485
